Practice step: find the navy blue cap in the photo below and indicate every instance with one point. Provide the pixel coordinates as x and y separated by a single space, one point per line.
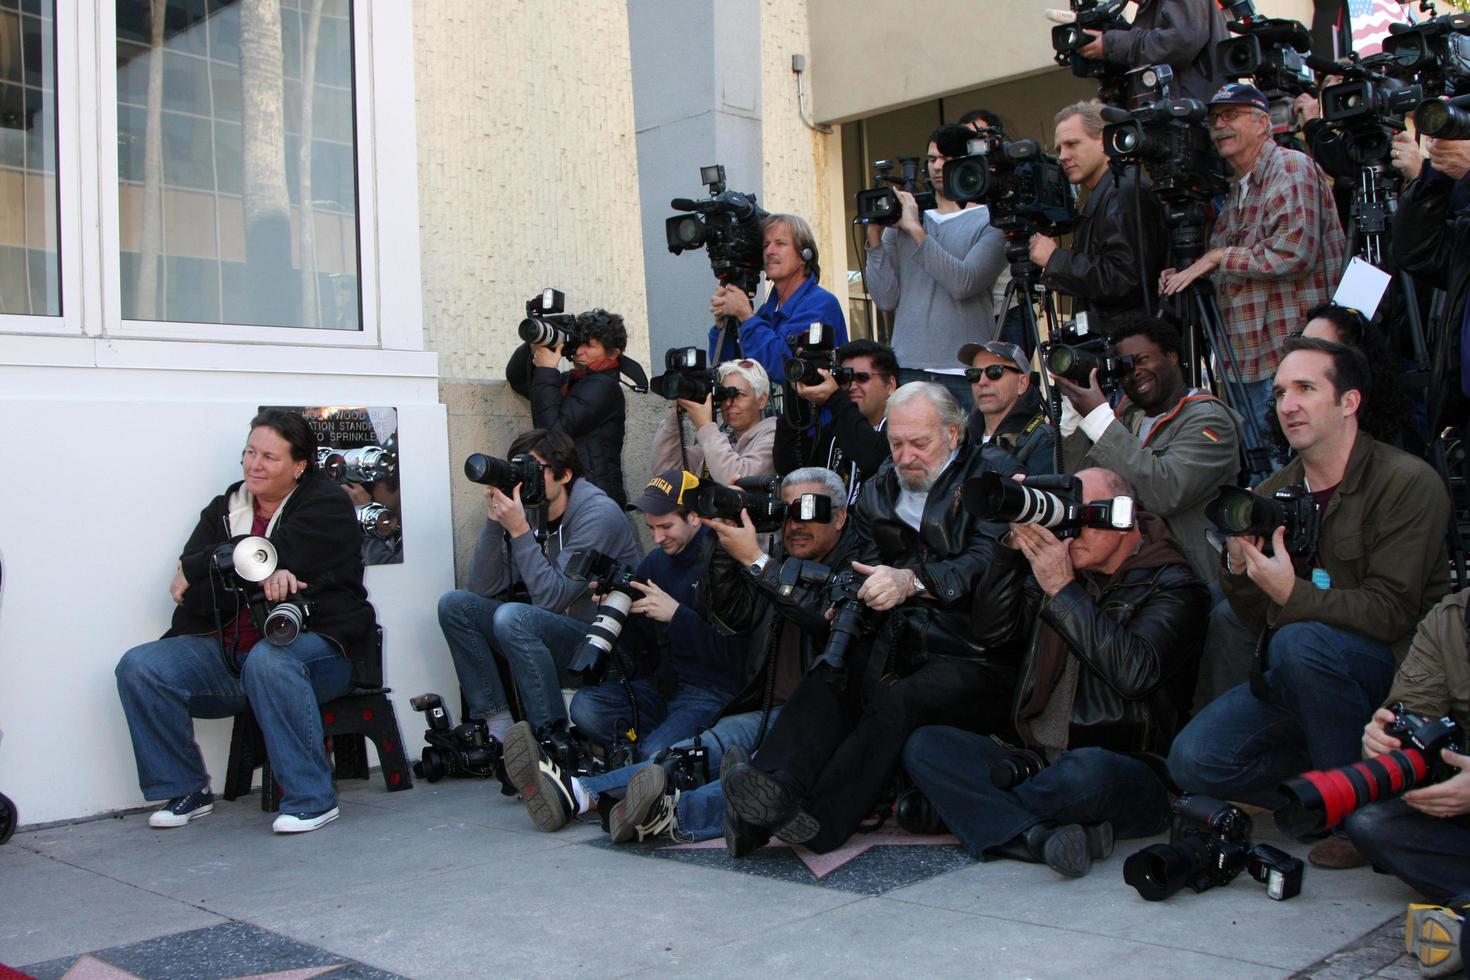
1239 93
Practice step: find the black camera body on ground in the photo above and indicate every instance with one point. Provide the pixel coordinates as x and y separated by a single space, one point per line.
727 224
546 325
687 765
614 580
767 512
1209 844
686 375
851 618
1024 187
455 750
814 350
1054 502
1237 511
879 205
1066 39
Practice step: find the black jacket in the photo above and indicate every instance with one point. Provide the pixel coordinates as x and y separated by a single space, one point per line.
847 445
1024 433
1431 240
1138 636
953 553
1113 257
317 538
593 412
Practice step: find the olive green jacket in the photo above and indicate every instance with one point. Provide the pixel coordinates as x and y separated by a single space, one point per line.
1382 545
1434 678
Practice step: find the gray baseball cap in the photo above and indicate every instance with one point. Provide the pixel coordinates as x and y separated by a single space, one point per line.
1002 349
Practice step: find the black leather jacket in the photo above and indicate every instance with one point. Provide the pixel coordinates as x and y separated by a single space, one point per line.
953 553
1113 257
593 412
1139 636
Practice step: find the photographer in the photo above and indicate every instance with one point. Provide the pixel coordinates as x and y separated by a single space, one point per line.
1120 239
836 746
1109 673
795 300
1176 444
1276 248
1423 836
740 446
1008 410
934 272
214 661
586 402
852 440
1179 33
520 609
1339 626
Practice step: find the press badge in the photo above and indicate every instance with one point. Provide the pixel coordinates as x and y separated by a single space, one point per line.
1321 579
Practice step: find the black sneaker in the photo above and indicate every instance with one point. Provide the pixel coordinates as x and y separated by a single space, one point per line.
544 788
756 796
181 809
647 810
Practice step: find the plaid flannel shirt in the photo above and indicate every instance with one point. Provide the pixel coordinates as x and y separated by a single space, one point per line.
1283 254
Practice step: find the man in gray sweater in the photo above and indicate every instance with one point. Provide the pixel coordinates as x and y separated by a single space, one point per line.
520 608
934 271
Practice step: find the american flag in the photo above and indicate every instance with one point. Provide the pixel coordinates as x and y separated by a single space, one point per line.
1369 20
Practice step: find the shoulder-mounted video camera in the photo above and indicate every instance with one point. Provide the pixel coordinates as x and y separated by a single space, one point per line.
1270 51
1067 39
1025 188
1237 511
879 205
1053 502
727 224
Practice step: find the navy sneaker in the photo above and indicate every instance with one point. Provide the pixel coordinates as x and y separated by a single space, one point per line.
181 809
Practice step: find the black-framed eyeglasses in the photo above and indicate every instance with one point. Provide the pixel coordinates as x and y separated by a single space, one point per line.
992 371
864 377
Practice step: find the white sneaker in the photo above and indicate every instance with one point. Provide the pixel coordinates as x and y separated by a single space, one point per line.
287 824
181 809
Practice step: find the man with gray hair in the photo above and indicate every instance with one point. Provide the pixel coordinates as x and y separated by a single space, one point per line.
919 660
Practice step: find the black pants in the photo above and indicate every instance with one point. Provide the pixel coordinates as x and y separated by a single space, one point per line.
1430 853
841 750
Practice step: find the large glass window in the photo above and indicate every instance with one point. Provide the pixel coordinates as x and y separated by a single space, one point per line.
237 183
30 273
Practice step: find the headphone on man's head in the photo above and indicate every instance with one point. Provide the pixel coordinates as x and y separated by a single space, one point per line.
807 254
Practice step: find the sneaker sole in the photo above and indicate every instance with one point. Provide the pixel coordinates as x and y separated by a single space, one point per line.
307 826
644 790
799 829
756 797
164 822
522 756
1432 936
1066 851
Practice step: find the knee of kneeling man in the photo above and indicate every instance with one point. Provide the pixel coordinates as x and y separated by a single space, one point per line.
510 618
449 605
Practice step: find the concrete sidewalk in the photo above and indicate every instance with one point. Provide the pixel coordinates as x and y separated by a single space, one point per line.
452 880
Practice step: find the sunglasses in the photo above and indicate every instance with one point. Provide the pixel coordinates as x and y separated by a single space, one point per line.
992 371
863 377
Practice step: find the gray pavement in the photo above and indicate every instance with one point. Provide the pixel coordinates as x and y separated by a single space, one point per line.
452 880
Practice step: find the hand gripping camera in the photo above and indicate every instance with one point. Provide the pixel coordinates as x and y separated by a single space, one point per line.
1236 511
456 750
687 376
727 224
767 512
247 561
1054 502
850 617
1074 354
1068 38
1209 844
615 581
879 205
814 350
546 325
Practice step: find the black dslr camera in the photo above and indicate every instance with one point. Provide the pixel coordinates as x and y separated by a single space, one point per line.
879 205
1054 502
615 581
850 617
727 223
767 511
1209 844
1066 39
687 376
1237 511
546 325
813 350
1074 354
1025 188
456 750
523 470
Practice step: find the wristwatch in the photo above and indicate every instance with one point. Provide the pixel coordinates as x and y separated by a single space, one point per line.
757 568
919 588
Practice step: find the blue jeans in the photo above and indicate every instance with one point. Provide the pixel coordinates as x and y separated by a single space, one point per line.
602 711
1430 853
1326 684
166 683
700 813
535 643
950 767
956 384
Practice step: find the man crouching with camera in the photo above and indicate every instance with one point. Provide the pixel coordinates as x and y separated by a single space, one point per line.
917 660
1109 672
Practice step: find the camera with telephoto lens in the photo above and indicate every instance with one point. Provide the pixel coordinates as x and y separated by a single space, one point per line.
1054 502
767 511
614 580
1074 354
1444 120
367 464
1067 39
286 620
1320 800
687 376
455 750
839 588
1017 766
1237 511
546 325
523 470
1209 844
1025 188
727 224
814 350
879 205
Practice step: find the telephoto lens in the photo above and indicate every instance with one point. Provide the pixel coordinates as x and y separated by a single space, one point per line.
602 633
490 471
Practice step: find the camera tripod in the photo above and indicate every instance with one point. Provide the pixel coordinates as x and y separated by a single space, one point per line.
1025 289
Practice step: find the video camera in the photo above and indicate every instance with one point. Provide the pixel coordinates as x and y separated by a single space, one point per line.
813 350
686 376
1436 53
1320 800
1025 188
1237 511
456 750
850 616
767 511
879 205
614 580
1054 502
1209 844
1074 354
1067 39
546 325
1270 51
727 223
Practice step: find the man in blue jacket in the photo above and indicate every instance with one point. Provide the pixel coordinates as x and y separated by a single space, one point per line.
794 303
